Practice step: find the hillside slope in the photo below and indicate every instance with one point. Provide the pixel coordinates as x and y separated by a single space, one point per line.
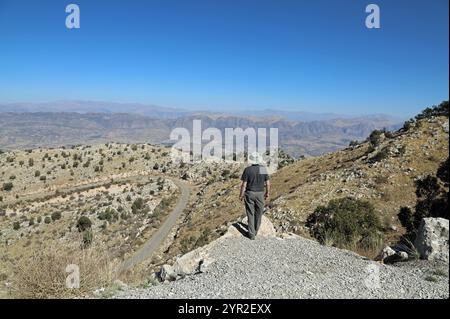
384 175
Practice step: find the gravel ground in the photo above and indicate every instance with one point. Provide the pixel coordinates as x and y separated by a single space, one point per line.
300 268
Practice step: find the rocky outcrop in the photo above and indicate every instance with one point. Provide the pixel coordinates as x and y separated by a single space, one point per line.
432 239
389 255
198 260
298 268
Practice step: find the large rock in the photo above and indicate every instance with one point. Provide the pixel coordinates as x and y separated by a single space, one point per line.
167 273
240 229
266 229
199 259
432 239
193 262
385 253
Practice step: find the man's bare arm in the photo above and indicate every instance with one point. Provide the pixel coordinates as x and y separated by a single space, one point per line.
267 194
243 187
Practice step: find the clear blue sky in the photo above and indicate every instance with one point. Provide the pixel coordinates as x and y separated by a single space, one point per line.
229 54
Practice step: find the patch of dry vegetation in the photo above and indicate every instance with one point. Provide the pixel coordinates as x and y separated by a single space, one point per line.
44 275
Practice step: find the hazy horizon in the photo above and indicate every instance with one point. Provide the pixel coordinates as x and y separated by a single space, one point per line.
223 56
245 111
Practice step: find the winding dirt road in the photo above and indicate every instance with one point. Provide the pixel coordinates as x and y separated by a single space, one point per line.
156 240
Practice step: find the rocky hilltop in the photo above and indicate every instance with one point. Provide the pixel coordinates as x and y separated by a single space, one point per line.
289 267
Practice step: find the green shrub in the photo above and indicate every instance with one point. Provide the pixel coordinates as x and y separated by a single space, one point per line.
137 205
47 220
88 237
408 125
56 216
389 134
439 110
345 223
432 200
37 173
375 138
226 173
16 225
443 173
381 155
406 217
7 186
83 223
108 214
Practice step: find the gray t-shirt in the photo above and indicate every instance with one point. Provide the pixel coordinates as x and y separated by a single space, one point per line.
255 176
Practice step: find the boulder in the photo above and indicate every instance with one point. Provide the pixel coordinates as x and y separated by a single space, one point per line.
445 126
385 253
403 255
389 255
199 259
167 273
240 229
432 239
266 229
191 263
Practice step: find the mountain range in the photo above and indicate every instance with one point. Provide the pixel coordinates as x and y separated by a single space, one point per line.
29 125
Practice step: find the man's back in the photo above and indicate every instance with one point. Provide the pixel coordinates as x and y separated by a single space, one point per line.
255 176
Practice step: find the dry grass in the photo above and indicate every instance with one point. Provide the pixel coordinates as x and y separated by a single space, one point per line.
43 275
138 275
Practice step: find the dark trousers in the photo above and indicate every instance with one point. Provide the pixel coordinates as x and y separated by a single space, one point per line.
254 206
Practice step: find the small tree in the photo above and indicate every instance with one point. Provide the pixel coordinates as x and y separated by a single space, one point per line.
432 200
56 216
83 223
7 186
375 138
137 205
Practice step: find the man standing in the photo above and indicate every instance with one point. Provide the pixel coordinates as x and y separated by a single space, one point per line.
255 188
